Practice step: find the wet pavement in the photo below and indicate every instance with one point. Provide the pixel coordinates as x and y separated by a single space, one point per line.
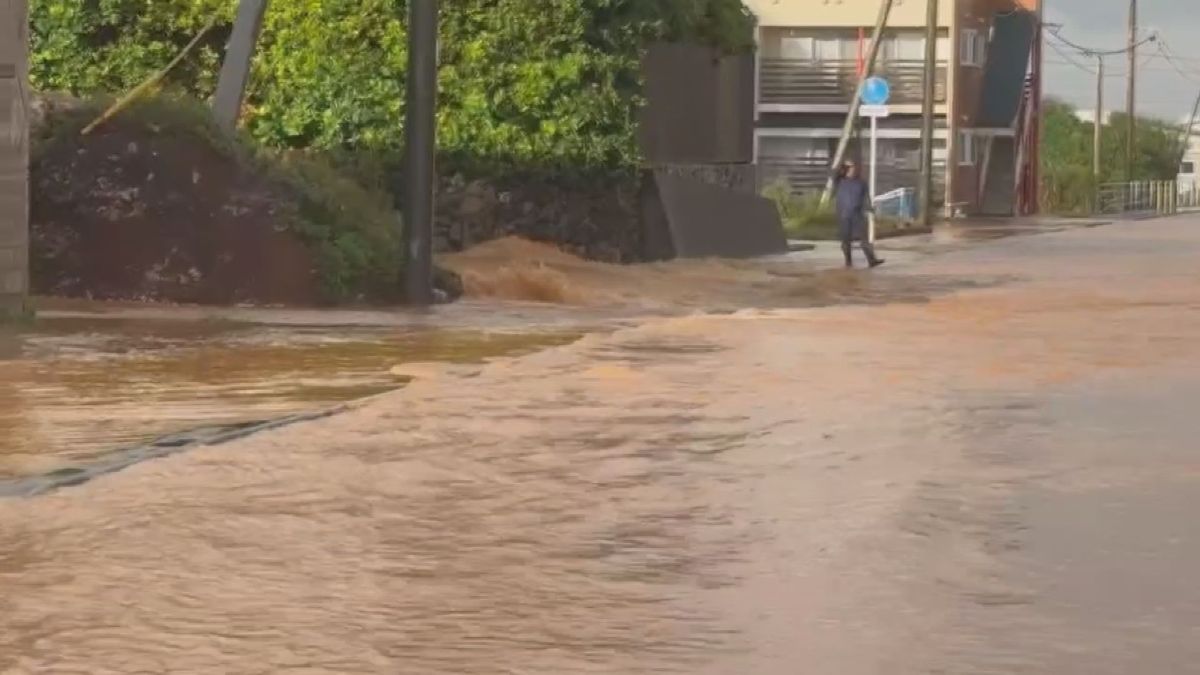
918 472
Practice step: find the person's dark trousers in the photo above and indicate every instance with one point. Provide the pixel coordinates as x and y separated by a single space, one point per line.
848 232
868 250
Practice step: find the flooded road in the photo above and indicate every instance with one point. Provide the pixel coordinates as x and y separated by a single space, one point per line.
954 478
76 387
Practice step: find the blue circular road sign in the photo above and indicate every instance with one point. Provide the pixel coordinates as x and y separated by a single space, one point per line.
876 91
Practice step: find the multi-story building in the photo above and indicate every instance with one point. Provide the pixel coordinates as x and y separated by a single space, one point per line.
987 92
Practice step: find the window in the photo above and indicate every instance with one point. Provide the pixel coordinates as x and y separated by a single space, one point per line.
966 149
1187 168
971 48
828 48
907 48
800 48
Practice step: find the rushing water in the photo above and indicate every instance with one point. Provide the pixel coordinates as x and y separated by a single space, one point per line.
73 390
988 480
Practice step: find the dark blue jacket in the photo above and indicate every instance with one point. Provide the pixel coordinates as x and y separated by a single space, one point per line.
850 198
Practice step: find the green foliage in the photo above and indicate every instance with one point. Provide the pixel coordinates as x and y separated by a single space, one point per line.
545 83
354 232
804 217
93 46
1068 186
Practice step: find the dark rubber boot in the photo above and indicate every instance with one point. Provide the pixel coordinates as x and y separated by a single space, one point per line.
869 250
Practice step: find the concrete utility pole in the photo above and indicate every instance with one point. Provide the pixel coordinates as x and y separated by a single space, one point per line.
1187 131
1131 93
419 150
14 159
885 10
1098 125
235 69
927 109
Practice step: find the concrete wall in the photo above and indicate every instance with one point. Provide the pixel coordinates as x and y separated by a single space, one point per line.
14 157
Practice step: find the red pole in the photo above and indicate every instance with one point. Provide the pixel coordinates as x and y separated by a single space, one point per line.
861 65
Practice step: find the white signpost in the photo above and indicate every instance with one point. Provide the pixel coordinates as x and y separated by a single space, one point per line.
875 95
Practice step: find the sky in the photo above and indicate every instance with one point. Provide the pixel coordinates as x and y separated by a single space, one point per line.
1103 24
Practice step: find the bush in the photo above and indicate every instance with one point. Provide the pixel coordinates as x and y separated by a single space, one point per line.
1068 190
804 217
353 231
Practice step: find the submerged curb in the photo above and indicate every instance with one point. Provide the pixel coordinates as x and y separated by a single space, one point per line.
124 458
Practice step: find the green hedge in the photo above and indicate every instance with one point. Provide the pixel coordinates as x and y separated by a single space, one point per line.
551 83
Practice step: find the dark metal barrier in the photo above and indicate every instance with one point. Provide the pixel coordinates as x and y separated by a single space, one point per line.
687 218
699 106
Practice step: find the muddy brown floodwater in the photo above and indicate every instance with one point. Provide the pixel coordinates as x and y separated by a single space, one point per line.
999 479
76 389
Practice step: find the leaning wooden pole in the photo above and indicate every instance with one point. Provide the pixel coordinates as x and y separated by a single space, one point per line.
146 85
885 10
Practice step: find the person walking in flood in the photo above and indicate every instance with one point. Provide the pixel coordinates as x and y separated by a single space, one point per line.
852 200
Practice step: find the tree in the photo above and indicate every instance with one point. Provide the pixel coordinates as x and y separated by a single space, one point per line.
523 82
1068 184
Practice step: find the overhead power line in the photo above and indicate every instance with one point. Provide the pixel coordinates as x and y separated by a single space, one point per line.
1168 55
1070 60
1056 32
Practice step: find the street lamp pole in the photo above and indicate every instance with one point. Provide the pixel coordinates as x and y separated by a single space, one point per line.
420 146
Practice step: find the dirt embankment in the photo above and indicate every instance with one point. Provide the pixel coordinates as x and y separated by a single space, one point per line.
134 213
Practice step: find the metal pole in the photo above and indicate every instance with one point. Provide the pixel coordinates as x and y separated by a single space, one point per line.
927 110
1131 93
874 173
885 9
235 69
420 146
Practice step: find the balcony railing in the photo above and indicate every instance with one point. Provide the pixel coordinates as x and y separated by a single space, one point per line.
802 82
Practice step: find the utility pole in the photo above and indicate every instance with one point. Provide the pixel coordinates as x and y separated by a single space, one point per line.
1187 132
1098 126
927 105
419 149
235 69
885 9
1131 94
1097 133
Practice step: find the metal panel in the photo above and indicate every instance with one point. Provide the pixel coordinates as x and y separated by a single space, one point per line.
708 221
699 106
1007 67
